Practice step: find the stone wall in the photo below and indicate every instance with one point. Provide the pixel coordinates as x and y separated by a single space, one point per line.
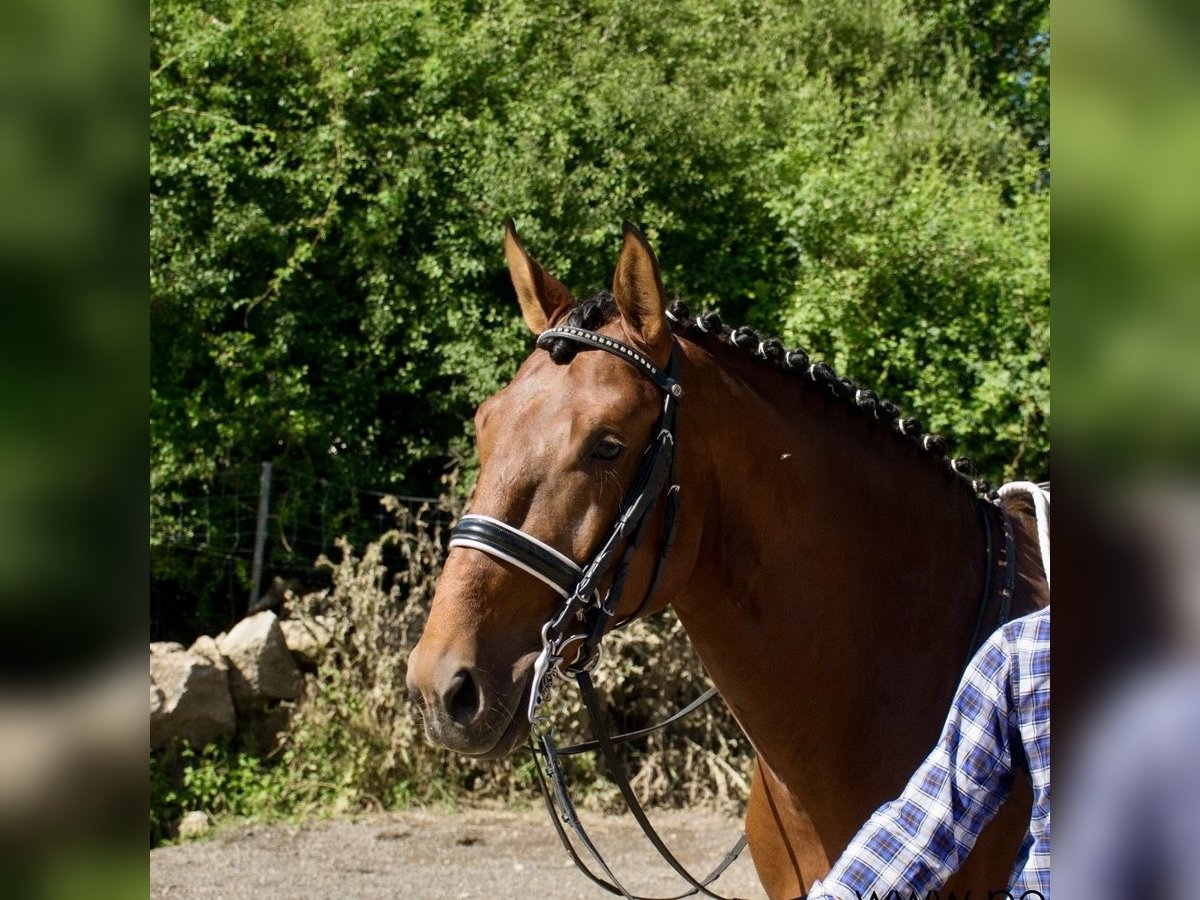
239 681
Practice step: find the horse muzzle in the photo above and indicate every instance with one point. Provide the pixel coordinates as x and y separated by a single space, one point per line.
464 711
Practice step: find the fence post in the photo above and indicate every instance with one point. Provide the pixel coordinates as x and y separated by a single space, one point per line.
260 533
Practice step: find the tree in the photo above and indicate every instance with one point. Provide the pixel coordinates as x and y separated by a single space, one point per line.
1009 48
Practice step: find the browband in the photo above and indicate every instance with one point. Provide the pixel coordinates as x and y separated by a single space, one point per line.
617 348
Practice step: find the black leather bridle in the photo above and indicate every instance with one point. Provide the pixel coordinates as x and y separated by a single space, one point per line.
585 615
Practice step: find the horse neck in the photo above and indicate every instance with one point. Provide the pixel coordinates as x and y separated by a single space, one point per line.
838 569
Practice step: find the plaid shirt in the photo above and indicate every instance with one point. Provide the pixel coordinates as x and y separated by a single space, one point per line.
916 842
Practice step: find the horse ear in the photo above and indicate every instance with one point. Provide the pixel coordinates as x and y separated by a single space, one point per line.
638 290
540 294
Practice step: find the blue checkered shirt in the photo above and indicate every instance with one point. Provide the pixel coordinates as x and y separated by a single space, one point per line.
916 842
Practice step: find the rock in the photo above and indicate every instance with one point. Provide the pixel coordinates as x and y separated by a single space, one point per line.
189 697
194 824
308 639
206 647
260 667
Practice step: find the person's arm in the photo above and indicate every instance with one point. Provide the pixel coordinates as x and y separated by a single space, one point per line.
917 841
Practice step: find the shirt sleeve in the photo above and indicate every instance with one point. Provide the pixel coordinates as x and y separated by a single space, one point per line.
917 841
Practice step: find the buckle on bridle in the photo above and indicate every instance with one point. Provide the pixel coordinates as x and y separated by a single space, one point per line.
552 661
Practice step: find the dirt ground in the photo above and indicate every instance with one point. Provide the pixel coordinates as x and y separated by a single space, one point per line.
443 854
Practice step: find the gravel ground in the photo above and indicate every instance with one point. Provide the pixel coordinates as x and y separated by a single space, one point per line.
434 854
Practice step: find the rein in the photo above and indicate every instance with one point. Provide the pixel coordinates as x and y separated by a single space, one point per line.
585 615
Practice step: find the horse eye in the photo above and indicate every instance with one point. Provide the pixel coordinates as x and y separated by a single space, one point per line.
608 450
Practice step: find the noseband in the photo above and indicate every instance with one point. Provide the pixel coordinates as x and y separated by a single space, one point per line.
584 616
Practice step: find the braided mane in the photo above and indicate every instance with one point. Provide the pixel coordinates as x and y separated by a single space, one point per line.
602 308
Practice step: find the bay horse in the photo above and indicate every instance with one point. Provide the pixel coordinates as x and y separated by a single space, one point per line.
829 563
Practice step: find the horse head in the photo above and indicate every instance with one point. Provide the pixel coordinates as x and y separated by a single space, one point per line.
559 447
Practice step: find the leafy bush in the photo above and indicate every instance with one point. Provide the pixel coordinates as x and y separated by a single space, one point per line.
327 191
217 779
929 282
354 734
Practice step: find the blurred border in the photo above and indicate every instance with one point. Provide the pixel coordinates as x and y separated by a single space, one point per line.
1126 323
73 353
73 447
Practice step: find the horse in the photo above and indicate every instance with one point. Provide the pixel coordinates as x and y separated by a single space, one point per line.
832 567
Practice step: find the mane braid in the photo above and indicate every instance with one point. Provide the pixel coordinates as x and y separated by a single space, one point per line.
601 308
597 310
796 361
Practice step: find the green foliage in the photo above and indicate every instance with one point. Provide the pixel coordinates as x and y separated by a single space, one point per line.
328 187
217 779
1009 48
918 275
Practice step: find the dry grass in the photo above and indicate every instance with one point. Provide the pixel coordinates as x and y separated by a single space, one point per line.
354 734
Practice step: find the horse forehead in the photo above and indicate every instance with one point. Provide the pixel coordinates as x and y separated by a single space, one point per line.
593 384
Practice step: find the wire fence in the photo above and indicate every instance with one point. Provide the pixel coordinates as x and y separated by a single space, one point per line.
203 545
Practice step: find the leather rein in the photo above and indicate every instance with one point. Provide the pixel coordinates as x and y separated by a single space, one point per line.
585 615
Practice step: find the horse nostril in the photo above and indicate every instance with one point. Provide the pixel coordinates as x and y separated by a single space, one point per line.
461 699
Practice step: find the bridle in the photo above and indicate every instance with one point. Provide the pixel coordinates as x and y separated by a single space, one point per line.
585 615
